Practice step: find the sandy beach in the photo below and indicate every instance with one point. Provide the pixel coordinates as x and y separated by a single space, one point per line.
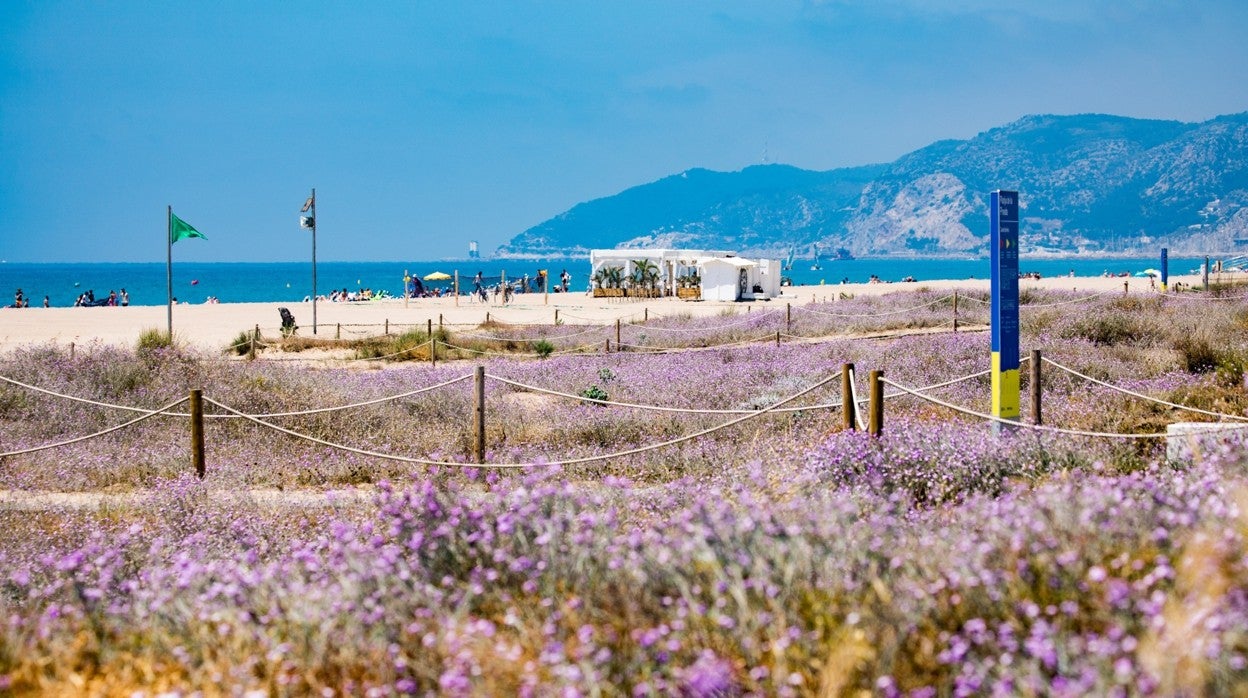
213 326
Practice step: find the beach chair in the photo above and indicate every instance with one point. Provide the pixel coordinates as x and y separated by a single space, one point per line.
288 322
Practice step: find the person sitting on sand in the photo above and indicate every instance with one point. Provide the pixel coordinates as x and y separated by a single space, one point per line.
125 298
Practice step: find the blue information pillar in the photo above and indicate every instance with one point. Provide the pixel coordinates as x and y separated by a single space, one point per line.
1003 215
1165 269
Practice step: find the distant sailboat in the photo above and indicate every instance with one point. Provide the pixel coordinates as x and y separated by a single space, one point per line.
816 266
788 262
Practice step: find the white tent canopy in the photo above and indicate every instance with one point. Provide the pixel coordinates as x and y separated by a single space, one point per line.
731 277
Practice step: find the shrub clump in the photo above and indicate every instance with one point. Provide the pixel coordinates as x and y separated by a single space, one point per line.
1109 328
152 339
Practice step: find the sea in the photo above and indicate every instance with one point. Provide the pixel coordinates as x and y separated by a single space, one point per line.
291 282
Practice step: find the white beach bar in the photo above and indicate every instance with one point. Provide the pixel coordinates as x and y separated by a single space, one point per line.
723 276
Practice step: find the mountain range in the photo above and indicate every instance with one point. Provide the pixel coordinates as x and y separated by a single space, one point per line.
1089 183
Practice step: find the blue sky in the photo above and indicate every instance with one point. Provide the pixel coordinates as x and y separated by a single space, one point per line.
427 124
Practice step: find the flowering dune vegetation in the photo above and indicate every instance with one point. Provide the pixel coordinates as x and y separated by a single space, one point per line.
780 555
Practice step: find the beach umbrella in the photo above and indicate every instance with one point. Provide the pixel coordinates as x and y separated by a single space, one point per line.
1148 272
437 276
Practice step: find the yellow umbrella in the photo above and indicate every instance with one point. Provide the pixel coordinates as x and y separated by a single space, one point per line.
437 276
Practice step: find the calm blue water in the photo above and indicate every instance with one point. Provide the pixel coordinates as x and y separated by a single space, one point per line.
291 281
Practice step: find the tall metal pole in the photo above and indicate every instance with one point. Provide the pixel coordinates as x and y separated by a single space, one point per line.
169 267
313 260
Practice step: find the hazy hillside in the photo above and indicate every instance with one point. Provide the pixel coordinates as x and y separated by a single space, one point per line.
1088 183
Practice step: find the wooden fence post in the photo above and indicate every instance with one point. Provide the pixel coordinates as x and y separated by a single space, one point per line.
1124 288
646 316
617 332
197 432
429 328
71 351
387 332
777 337
1035 387
788 318
556 316
955 310
439 321
608 349
338 333
479 414
251 352
433 351
849 407
875 408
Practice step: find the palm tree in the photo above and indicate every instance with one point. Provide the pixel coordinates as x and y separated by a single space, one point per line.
614 276
645 273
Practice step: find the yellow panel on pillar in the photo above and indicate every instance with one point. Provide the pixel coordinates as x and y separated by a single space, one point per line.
1005 390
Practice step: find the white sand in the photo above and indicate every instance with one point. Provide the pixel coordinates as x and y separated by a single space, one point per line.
214 326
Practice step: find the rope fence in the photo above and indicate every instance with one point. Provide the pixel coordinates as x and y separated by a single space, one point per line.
1042 427
655 408
850 402
1142 396
141 418
318 410
883 314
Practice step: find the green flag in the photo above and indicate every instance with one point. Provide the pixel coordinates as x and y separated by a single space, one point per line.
181 230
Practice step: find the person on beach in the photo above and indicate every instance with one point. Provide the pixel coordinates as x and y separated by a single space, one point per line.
46 302
125 298
17 299
565 279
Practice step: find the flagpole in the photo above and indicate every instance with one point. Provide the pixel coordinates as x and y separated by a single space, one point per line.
169 267
313 260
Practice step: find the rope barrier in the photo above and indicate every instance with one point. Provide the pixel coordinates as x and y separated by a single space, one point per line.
569 461
853 393
321 410
973 299
1142 396
1201 297
1069 302
675 350
1041 427
522 339
136 420
656 408
74 398
890 312
351 359
486 352
318 410
752 318
622 318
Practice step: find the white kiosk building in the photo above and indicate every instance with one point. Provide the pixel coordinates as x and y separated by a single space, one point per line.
713 275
